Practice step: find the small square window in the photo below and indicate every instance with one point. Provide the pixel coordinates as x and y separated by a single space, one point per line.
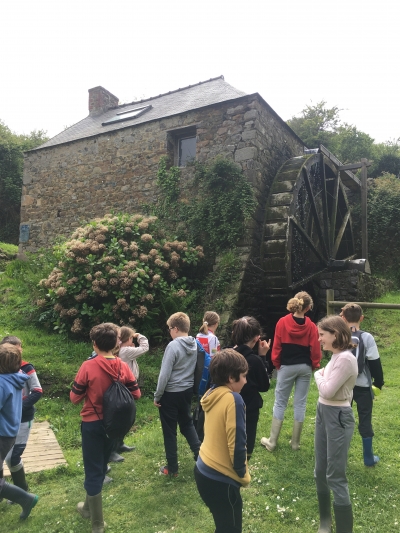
186 150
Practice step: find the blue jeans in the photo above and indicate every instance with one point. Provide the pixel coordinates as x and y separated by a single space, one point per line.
96 451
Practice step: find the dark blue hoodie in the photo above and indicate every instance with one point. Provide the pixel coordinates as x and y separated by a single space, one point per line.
11 386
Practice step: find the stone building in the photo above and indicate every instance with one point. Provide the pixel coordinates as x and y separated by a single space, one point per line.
109 159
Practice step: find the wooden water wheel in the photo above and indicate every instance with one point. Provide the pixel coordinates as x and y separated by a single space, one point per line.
307 227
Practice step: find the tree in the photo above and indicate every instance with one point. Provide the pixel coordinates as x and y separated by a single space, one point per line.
12 147
321 125
316 125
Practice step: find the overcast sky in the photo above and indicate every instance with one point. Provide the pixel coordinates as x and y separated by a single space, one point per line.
293 53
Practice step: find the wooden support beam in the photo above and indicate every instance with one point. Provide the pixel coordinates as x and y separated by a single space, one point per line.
364 222
330 295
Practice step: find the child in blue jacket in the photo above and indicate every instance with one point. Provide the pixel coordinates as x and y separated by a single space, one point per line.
11 384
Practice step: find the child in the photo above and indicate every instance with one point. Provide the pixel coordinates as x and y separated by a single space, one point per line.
31 393
12 382
91 382
207 335
128 352
174 391
334 424
246 334
371 369
295 353
221 467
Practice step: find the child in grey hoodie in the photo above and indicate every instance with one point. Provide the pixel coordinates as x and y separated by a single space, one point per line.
174 391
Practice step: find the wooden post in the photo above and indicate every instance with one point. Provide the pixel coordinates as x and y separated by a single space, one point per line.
364 224
330 296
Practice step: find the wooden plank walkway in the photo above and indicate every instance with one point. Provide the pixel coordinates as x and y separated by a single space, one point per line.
42 452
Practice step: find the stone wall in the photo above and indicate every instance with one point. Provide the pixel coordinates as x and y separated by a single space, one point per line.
348 286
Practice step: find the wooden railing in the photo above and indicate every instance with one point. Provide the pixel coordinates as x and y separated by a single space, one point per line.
331 303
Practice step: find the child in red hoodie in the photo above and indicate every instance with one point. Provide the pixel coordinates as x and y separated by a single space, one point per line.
296 352
91 382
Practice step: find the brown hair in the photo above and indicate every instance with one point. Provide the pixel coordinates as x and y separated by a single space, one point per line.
180 321
105 336
227 364
352 312
11 339
336 325
245 329
210 318
10 359
301 301
125 333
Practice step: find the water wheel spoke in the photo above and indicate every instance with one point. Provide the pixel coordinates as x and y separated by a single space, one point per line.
315 212
325 212
340 234
308 240
334 208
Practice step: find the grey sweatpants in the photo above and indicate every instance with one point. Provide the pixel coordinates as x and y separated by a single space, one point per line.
287 376
334 428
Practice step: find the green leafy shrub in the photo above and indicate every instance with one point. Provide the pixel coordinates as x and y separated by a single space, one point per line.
215 213
119 268
384 226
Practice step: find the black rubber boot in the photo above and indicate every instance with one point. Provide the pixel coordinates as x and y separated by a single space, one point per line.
343 518
125 448
1 477
17 495
116 458
325 514
19 479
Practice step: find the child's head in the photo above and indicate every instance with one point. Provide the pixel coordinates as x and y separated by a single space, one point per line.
105 336
300 302
10 359
179 321
336 326
244 330
352 313
15 341
227 364
211 318
126 333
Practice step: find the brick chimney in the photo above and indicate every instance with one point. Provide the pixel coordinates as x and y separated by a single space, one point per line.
100 100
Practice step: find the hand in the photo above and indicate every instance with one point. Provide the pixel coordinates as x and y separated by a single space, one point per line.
157 404
136 335
263 347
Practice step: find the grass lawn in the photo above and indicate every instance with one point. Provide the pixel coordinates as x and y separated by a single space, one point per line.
281 497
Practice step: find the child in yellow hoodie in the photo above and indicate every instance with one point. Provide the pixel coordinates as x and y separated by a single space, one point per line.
221 467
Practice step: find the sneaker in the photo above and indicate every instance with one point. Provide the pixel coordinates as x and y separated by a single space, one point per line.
165 472
107 480
116 458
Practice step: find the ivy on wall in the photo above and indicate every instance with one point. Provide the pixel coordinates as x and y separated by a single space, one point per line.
213 211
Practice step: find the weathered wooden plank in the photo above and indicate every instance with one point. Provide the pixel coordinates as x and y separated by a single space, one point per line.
42 452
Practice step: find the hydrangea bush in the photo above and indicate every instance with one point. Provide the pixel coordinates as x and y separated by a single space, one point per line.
120 268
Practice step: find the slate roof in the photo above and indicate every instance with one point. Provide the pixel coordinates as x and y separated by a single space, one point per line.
182 100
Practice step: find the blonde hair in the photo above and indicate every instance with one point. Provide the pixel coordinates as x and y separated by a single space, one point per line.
180 321
210 318
301 301
125 333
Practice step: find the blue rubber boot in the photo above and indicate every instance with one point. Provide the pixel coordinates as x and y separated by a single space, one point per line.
369 458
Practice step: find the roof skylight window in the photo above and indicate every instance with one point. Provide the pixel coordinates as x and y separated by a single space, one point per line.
127 115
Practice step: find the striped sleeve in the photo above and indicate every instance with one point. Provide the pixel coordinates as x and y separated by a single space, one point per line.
236 434
78 390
